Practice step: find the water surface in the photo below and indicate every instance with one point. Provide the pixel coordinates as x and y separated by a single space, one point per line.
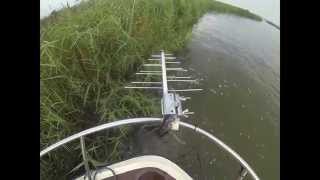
239 62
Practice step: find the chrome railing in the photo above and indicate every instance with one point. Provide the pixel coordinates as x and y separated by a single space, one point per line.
246 169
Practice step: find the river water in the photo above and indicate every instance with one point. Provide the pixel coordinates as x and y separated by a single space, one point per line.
238 61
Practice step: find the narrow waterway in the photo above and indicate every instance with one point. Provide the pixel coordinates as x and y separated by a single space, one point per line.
238 61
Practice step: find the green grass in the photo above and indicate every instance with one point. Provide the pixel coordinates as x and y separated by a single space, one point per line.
88 53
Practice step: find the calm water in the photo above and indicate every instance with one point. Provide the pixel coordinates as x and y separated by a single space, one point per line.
239 62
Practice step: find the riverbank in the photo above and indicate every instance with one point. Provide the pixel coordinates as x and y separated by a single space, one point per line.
88 53
272 24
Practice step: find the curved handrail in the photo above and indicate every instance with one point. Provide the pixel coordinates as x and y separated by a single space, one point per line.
223 146
217 141
98 128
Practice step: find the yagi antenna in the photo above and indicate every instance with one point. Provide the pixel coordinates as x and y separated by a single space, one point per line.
171 101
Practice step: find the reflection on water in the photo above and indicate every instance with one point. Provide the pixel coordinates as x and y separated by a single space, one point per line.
239 62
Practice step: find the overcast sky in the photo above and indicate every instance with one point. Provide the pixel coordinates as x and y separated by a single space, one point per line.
47 6
269 9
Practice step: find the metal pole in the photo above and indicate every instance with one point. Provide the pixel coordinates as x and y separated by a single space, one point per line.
158 74
150 71
166 98
174 77
181 80
151 65
84 157
143 82
173 62
164 75
142 87
185 90
243 173
170 58
177 69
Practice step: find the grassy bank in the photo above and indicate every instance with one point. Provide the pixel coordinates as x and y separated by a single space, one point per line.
273 24
88 53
